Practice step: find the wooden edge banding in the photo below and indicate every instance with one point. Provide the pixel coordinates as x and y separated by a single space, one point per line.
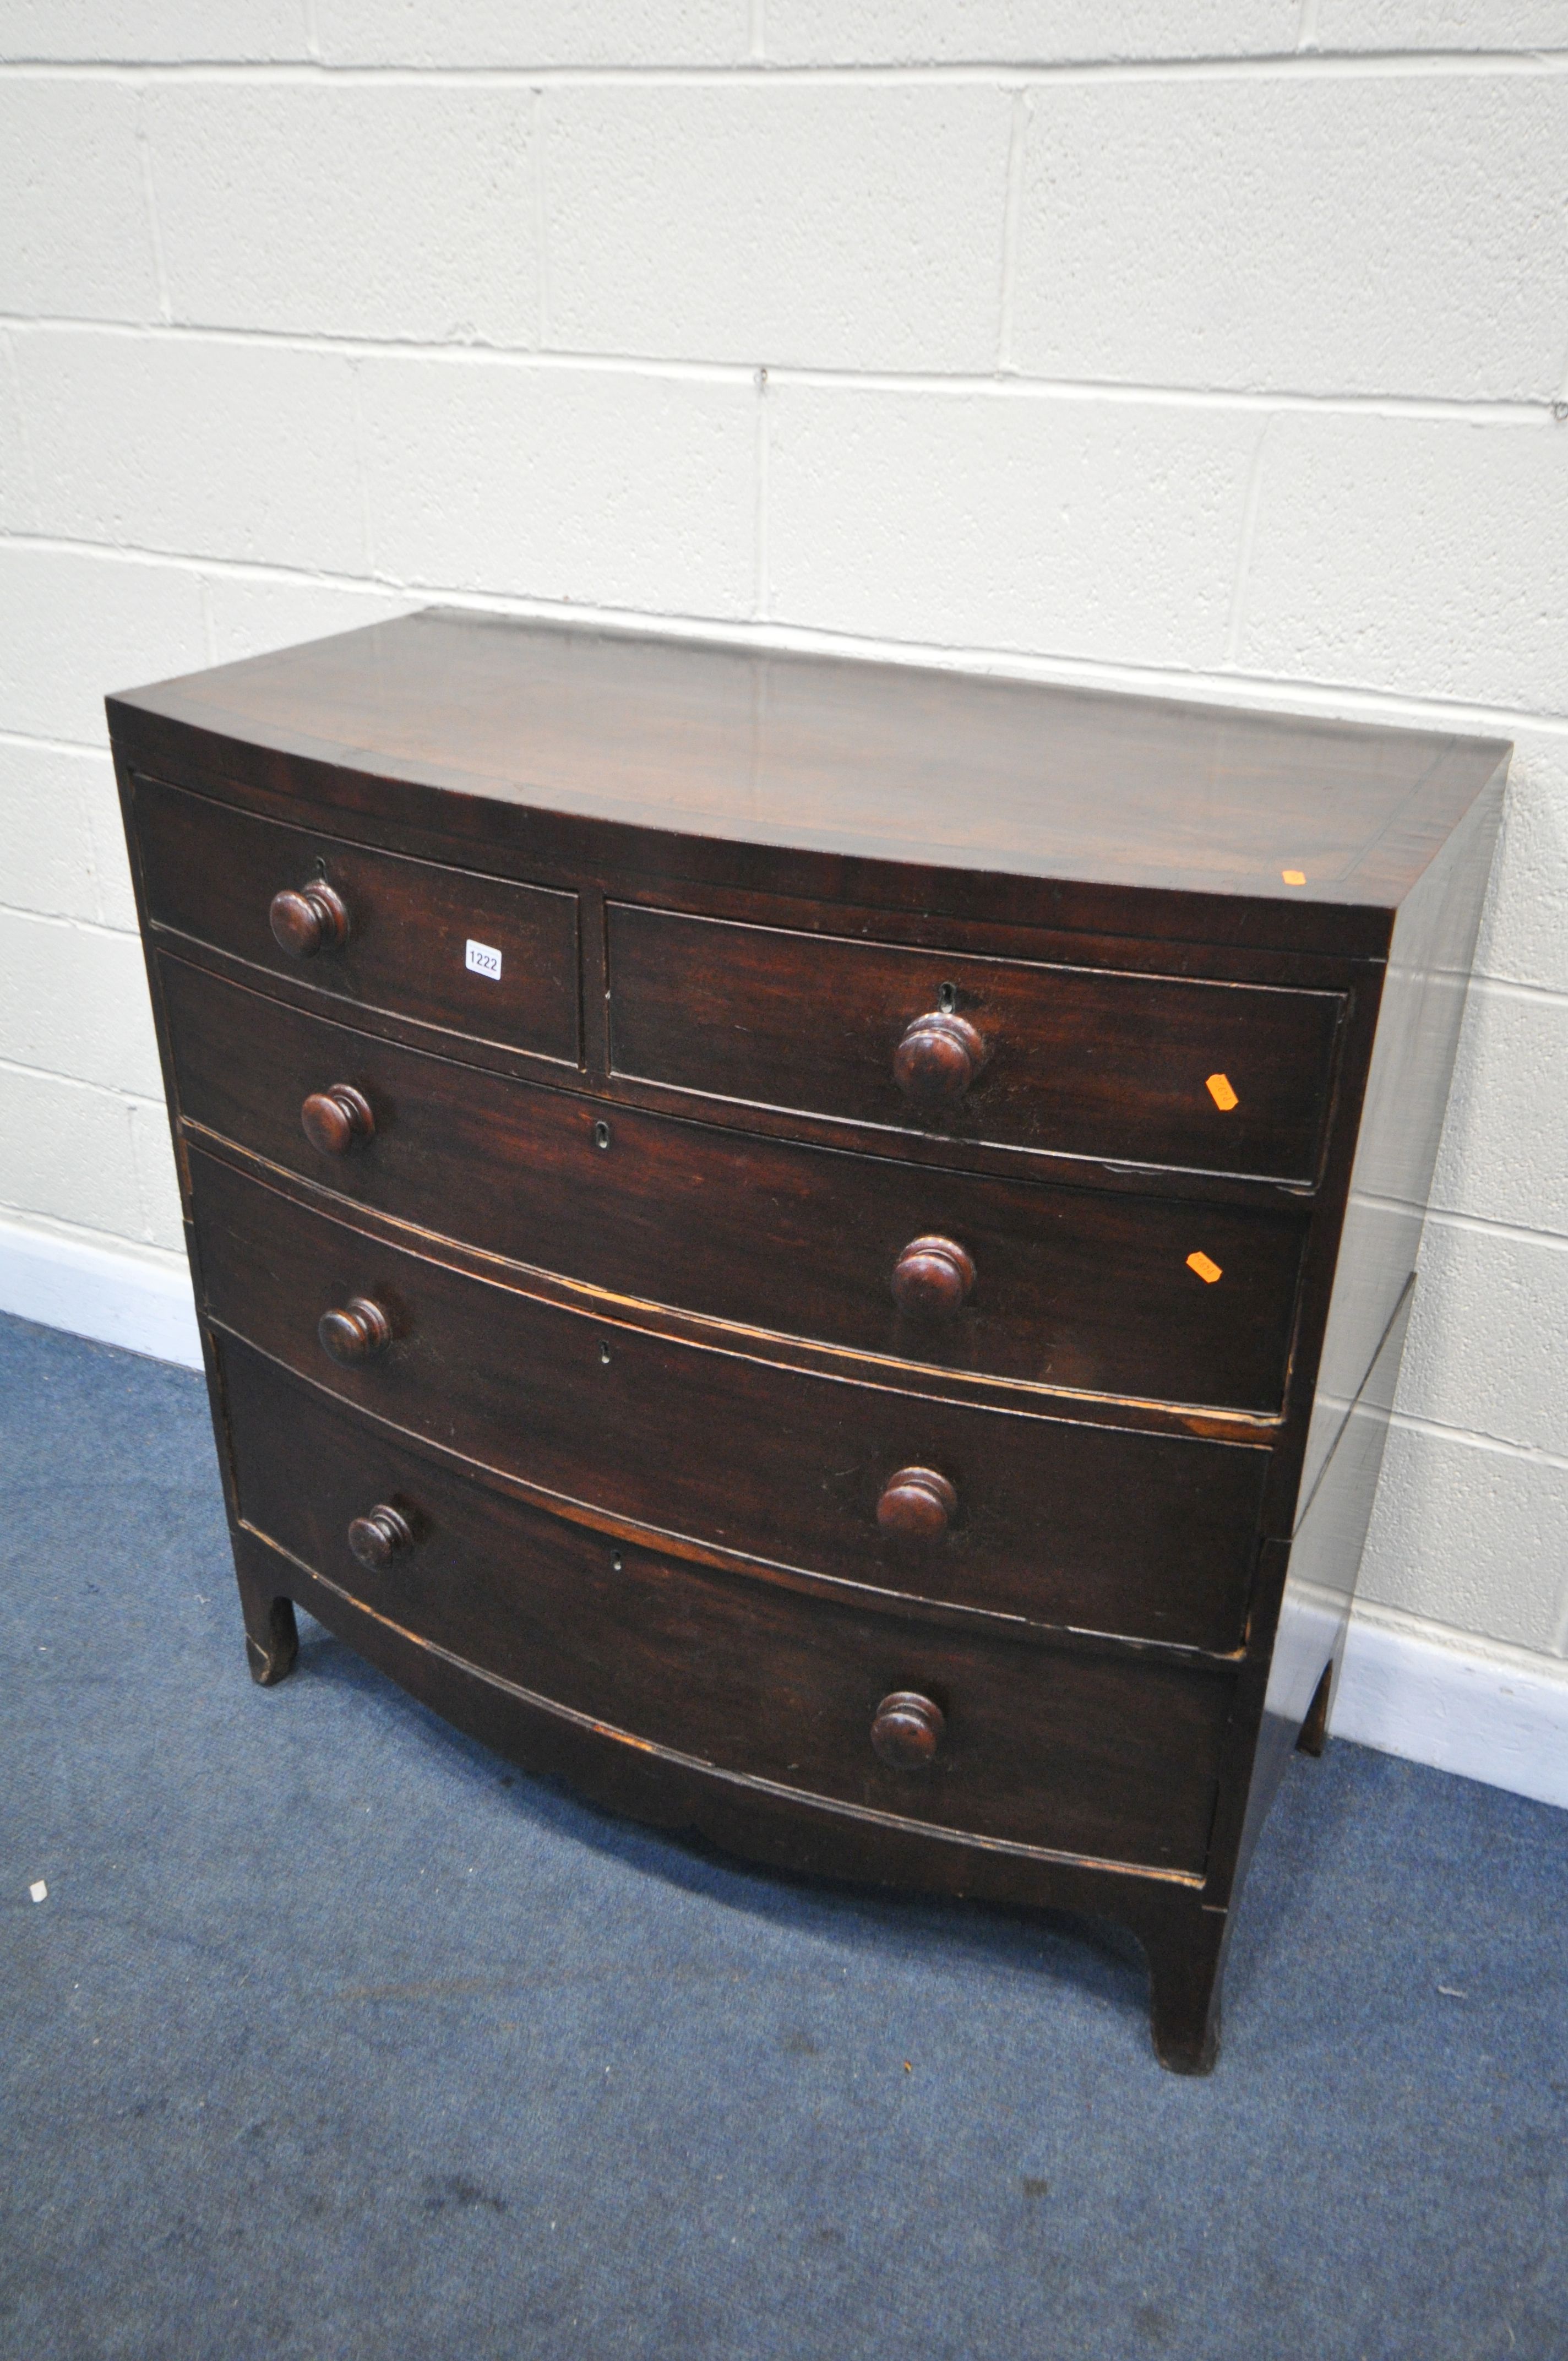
747 1781
171 735
299 991
938 1151
828 1587
1211 1421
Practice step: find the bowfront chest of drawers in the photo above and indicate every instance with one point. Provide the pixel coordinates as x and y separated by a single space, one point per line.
819 1249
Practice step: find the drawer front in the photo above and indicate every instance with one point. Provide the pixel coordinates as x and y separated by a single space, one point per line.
1072 1288
1065 1061
1054 1519
1075 1752
477 956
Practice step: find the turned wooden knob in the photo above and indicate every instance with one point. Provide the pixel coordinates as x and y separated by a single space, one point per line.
916 1505
357 1332
314 919
377 1537
938 1058
333 1119
932 1277
906 1730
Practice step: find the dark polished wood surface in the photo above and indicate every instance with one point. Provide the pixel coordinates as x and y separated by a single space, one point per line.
1065 1752
1137 1069
218 874
1077 1290
732 1453
880 761
771 1234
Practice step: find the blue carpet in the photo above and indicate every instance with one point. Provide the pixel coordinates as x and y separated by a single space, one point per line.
334 2036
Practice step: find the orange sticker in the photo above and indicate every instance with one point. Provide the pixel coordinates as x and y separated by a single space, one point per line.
1294 877
1207 1272
1220 1091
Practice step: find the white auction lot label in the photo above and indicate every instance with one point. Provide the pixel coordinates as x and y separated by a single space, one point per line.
484 959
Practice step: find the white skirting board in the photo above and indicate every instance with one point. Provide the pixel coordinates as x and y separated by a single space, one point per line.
1489 1713
1462 1704
118 1294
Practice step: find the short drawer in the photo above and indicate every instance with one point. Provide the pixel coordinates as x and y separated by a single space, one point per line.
1056 1520
1074 1752
476 956
1060 1060
1087 1290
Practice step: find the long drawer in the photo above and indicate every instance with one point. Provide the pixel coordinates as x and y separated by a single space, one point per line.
1055 1520
1075 1753
1082 1289
1063 1060
477 956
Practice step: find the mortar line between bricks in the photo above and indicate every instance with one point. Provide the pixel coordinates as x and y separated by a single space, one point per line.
1521 410
66 918
91 824
1011 219
1435 1430
1326 701
1512 1232
98 747
539 134
115 1091
139 1177
1244 543
1281 65
24 436
209 620
1504 987
149 208
390 348
361 468
761 595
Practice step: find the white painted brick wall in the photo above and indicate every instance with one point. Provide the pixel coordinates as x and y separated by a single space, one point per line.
74 1003
1422 554
200 447
1097 529
391 211
1504 1150
614 33
252 612
1306 235
606 487
80 621
59 823
1212 346
1454 24
164 32
73 232
845 227
1025 32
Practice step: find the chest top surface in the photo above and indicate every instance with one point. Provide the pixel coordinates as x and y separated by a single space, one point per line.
888 763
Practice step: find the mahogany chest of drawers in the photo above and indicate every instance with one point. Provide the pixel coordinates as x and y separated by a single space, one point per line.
820 1249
